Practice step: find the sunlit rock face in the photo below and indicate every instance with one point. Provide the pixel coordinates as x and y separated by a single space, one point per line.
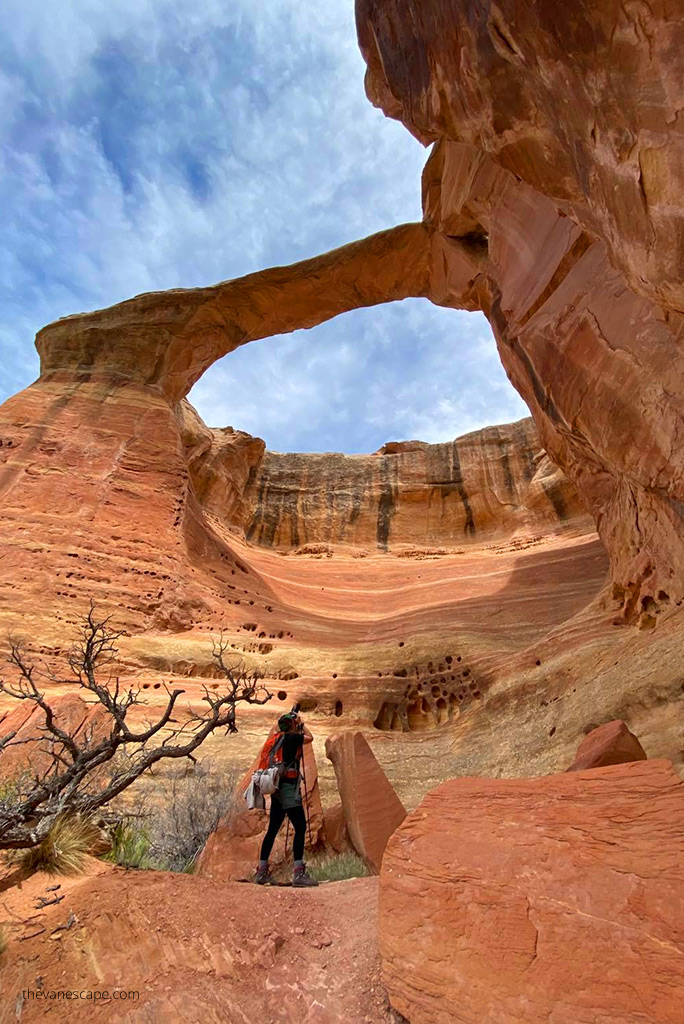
560 895
558 157
407 496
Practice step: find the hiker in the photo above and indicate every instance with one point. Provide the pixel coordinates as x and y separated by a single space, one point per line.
287 800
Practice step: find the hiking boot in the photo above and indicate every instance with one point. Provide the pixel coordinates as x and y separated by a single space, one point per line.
263 876
303 879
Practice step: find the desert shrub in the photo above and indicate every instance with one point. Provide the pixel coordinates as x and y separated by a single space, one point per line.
197 801
335 867
12 789
171 825
71 839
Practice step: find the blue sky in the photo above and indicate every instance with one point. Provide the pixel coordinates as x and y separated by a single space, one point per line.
149 144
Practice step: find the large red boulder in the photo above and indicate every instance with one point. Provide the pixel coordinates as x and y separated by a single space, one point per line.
371 807
556 899
611 743
85 721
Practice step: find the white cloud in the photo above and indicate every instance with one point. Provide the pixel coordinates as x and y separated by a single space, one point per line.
152 144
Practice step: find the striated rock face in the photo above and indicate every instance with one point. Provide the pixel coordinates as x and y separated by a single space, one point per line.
192 949
558 160
372 809
611 743
335 826
25 723
544 899
485 485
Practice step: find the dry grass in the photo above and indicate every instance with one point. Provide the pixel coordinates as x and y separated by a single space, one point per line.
335 867
65 849
168 827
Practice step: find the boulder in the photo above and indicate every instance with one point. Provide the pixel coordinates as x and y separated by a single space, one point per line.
335 826
556 899
371 807
611 743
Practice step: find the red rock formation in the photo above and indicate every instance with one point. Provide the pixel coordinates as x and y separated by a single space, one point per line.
611 743
558 161
543 899
29 748
335 827
177 948
371 807
484 486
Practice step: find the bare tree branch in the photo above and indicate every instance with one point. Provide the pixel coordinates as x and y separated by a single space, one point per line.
71 783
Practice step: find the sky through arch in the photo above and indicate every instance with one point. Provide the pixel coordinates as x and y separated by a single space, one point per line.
153 144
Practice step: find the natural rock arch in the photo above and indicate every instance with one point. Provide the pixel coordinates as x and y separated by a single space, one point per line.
558 310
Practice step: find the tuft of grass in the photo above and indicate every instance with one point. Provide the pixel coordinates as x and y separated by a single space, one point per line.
64 850
131 846
335 867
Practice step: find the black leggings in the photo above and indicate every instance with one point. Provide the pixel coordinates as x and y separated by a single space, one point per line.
298 819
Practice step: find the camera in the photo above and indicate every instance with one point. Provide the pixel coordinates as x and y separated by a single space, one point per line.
295 710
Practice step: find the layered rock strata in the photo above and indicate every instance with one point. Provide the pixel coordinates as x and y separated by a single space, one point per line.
484 486
557 161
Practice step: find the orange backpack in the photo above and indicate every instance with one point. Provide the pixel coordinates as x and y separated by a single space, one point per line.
272 752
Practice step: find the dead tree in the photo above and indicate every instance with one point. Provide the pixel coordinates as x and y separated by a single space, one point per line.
72 782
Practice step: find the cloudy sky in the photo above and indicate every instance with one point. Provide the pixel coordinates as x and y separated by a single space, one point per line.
149 144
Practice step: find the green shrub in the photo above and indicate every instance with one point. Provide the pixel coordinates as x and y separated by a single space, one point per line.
130 845
335 867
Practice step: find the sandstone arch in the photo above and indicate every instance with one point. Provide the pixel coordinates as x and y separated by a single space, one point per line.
168 339
561 221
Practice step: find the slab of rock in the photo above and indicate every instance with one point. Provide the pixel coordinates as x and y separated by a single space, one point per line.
85 721
335 826
611 743
371 807
556 899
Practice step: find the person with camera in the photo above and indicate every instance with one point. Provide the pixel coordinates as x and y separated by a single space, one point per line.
286 801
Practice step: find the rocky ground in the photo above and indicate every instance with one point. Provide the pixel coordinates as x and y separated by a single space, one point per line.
192 949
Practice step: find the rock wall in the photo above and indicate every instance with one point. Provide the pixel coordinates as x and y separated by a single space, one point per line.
558 164
485 485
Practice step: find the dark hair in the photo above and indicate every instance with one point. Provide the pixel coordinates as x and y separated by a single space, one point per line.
285 723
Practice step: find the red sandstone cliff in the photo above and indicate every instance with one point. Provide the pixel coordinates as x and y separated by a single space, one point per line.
558 166
483 486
